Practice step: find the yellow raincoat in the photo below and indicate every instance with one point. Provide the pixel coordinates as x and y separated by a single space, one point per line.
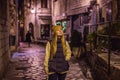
66 51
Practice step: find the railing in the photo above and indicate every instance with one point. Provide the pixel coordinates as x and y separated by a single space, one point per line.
103 40
97 30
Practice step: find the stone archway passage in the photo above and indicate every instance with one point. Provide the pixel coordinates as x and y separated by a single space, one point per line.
31 28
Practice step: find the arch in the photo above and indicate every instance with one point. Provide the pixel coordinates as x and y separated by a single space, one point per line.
31 28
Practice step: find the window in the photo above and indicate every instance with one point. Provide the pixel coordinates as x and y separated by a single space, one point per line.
64 24
109 12
101 18
44 4
3 9
58 23
14 1
118 14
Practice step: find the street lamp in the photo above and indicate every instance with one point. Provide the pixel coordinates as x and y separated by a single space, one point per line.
32 10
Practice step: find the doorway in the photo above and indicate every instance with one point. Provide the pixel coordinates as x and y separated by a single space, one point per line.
45 31
31 29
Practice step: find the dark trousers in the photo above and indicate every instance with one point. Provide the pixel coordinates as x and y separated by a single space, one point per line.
57 76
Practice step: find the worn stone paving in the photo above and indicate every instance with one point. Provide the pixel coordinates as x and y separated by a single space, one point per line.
27 64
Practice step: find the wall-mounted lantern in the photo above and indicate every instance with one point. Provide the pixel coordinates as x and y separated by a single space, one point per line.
32 10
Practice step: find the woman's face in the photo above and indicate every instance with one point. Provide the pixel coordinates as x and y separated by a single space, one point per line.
59 32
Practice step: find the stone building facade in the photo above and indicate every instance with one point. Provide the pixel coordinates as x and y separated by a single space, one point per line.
73 12
4 36
6 24
81 14
93 15
13 24
107 13
37 18
108 10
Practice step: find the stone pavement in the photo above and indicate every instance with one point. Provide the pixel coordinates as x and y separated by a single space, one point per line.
27 64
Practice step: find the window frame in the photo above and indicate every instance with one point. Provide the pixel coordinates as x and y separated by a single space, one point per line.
44 3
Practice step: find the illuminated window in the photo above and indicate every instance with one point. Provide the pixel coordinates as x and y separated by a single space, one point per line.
58 23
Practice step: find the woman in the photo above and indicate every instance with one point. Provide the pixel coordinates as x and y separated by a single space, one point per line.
58 54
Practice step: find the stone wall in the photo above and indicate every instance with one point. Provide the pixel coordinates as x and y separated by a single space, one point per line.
99 68
77 6
99 65
105 6
8 21
13 23
4 37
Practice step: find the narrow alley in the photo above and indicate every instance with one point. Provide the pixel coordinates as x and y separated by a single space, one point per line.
27 64
87 32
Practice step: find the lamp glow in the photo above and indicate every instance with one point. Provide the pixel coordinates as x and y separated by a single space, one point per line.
32 10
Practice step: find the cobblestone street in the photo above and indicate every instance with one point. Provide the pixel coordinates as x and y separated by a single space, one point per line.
27 64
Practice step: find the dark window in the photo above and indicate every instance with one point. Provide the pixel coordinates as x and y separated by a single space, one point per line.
109 12
0 9
44 3
101 18
100 14
118 14
14 2
3 9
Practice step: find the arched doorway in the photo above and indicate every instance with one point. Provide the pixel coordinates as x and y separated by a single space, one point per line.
31 29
